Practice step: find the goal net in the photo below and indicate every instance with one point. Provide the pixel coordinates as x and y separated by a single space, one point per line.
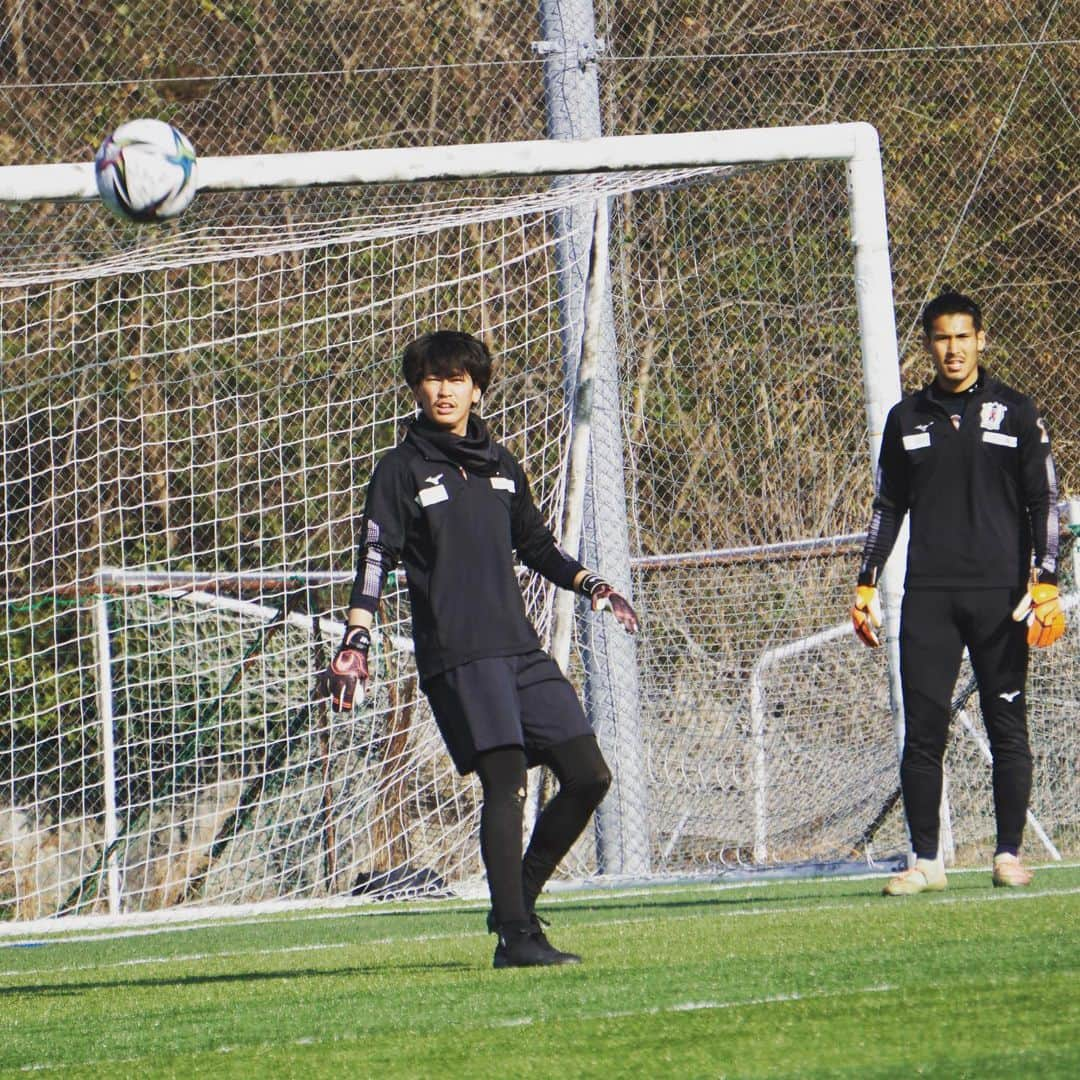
189 418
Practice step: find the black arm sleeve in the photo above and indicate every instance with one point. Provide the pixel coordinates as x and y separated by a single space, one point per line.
890 503
1041 497
533 540
388 508
374 563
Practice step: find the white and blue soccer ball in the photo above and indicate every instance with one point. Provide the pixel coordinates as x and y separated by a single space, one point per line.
146 171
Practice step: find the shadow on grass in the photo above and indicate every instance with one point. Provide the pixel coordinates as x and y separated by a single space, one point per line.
72 989
869 889
669 904
472 919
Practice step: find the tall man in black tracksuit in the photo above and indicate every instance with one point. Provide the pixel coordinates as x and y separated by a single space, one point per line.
968 459
454 506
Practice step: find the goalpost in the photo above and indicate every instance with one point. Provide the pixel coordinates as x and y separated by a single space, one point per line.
189 420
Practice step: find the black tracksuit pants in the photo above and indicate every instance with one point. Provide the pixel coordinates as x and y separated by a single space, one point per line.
935 626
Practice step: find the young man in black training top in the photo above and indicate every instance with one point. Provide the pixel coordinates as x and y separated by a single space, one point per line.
454 506
968 459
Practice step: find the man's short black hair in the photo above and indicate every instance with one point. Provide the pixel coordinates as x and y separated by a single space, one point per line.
444 353
950 303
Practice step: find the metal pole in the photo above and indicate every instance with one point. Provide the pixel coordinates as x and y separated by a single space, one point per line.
570 49
581 435
108 750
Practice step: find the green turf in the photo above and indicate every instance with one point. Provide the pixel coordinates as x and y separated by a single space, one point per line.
807 979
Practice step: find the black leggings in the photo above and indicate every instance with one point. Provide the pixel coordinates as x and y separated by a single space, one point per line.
583 778
935 627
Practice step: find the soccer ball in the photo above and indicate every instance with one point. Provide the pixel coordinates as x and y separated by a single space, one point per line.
146 171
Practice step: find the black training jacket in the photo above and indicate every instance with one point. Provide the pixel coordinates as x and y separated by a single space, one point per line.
982 499
456 531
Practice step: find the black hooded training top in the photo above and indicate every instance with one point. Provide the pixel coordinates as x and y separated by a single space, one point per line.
454 510
982 497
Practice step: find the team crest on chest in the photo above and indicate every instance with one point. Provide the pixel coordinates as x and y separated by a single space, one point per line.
993 412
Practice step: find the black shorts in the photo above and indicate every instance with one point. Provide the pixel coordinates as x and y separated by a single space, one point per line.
521 701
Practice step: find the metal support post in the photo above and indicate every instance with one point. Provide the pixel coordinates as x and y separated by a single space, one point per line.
570 49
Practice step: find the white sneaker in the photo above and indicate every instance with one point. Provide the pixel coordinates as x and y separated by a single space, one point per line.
927 875
1010 872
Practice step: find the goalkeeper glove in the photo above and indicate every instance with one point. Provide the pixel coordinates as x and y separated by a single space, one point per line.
349 667
866 615
1040 608
605 598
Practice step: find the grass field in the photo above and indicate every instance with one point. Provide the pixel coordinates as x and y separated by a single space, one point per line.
809 979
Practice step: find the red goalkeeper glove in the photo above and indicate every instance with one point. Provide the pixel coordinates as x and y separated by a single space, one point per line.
348 668
1040 608
605 598
866 615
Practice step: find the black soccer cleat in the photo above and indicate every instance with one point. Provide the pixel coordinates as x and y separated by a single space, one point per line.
524 944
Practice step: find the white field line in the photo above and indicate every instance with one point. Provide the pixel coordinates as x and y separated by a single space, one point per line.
197 958
107 928
997 897
199 918
110 929
701 1006
136 924
341 907
347 907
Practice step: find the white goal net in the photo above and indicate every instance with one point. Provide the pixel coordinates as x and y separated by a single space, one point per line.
189 419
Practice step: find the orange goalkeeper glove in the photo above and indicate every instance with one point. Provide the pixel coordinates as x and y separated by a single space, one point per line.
1040 608
866 615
